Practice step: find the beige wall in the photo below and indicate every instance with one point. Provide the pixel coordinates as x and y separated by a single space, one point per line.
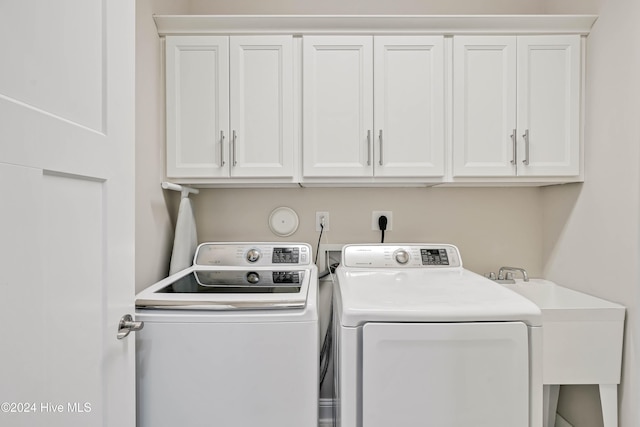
491 226
154 229
591 231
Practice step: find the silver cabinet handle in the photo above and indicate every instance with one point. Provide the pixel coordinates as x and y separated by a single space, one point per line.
127 325
515 147
381 150
526 147
221 148
234 136
369 148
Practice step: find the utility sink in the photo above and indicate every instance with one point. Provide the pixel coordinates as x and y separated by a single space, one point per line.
582 334
582 342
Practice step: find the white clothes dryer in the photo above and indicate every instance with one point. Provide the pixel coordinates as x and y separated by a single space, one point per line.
231 341
422 341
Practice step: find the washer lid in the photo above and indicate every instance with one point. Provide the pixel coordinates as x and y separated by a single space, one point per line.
230 289
427 295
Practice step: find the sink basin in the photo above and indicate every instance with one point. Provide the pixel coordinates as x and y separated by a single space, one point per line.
582 334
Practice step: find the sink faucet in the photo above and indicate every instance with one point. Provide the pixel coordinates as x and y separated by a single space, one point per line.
502 270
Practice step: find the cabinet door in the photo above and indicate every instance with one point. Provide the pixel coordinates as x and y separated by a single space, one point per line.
197 106
549 105
337 106
409 106
484 105
262 143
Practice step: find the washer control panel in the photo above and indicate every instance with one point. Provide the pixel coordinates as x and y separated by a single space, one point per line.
258 254
261 277
400 256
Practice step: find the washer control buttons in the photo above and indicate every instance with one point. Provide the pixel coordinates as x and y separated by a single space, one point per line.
253 277
401 256
253 255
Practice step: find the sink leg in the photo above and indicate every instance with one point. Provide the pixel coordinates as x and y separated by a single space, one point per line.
551 393
609 402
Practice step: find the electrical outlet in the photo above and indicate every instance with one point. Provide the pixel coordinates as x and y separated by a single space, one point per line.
320 216
377 214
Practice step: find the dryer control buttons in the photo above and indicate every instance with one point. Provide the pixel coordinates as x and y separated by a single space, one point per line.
434 256
253 255
401 256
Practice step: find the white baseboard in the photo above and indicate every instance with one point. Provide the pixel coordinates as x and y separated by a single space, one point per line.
326 415
561 422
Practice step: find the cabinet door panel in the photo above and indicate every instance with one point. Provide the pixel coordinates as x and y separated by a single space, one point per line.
549 105
484 105
409 106
197 106
262 106
337 106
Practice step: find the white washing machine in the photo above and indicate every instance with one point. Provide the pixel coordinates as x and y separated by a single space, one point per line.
231 341
422 341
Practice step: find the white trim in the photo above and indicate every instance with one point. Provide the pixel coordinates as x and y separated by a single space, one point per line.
378 24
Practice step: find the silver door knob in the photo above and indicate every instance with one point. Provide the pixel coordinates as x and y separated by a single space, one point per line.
127 324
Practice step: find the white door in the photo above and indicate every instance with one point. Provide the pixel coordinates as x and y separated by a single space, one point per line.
549 105
409 106
197 106
67 197
484 106
445 374
261 99
337 106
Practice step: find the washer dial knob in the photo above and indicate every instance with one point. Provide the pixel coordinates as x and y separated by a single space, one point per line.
253 277
401 256
253 255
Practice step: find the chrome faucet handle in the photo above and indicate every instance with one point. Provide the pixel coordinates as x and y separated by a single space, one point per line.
525 276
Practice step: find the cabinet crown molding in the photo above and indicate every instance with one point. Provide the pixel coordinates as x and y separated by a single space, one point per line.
373 24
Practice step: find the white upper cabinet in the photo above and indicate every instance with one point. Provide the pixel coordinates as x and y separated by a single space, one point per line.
409 106
230 107
484 101
374 100
549 105
197 82
373 106
516 106
262 106
337 106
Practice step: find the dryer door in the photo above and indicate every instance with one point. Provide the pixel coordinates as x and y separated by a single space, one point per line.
445 374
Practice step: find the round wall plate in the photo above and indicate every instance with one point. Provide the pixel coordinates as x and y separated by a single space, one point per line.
283 221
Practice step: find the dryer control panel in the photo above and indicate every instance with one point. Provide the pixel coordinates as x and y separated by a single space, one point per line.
402 255
254 254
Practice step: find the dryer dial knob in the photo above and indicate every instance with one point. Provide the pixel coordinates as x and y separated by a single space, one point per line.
401 256
253 277
253 255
